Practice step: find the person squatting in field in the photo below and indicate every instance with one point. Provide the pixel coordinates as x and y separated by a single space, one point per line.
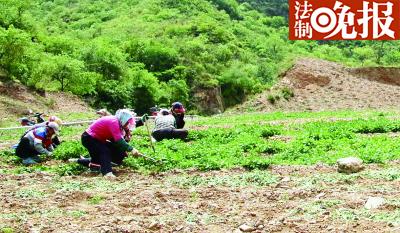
106 140
55 140
178 111
166 128
35 142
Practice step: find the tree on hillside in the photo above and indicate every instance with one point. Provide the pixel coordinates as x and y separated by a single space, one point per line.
363 53
14 46
69 73
12 13
270 7
230 7
103 58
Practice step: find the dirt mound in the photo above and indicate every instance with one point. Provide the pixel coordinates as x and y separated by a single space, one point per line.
317 85
383 75
16 100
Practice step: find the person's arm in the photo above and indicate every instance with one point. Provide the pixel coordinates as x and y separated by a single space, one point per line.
50 148
139 123
180 123
122 145
38 145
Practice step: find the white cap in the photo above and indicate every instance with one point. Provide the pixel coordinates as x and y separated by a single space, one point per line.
54 126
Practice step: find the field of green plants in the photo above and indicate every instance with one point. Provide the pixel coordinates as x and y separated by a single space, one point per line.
251 141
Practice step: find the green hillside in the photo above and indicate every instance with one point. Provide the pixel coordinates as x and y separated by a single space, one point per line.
140 53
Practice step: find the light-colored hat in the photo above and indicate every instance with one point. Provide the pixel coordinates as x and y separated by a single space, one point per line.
54 126
123 116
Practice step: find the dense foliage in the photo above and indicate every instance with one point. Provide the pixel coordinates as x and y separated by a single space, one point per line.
139 53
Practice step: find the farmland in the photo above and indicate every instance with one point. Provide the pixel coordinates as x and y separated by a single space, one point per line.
275 169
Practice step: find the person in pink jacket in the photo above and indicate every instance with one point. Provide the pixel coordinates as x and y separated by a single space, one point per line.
105 141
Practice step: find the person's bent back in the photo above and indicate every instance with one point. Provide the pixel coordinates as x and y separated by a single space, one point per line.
105 141
36 142
165 127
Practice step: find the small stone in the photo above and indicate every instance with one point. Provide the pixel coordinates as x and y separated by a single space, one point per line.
179 228
374 202
246 228
320 195
154 226
252 214
350 165
259 223
285 179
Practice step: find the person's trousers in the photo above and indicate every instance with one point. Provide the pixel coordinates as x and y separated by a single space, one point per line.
25 150
169 133
101 153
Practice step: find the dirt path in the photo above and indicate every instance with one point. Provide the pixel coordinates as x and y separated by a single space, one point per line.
283 199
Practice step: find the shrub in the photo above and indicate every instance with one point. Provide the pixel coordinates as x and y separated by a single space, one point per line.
287 93
270 131
272 99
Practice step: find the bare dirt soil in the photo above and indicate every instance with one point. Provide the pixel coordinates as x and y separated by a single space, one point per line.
16 100
294 199
320 85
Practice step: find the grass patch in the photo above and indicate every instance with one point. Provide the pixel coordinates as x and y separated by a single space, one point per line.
77 213
7 230
254 178
351 215
246 142
30 194
95 200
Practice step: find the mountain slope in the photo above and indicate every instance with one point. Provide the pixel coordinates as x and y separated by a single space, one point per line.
16 100
321 85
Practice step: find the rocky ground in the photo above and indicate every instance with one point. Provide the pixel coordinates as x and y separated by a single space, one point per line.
320 85
281 199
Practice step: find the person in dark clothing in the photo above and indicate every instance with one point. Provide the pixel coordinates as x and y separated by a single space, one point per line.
178 111
165 127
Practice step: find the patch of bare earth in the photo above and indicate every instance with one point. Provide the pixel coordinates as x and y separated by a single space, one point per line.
302 199
322 85
16 100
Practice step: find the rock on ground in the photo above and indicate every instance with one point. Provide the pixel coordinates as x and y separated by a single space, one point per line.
374 202
350 165
246 228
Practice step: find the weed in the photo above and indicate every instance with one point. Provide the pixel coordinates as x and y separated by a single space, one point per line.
191 217
30 193
77 213
287 93
68 150
69 169
270 131
242 143
95 200
254 178
7 230
272 99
